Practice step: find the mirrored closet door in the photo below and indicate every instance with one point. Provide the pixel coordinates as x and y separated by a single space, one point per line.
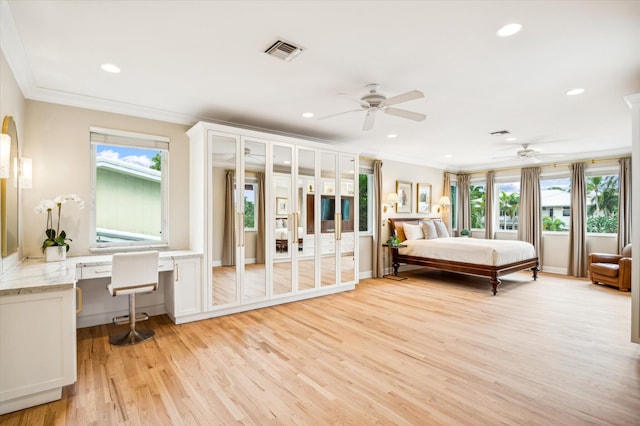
224 242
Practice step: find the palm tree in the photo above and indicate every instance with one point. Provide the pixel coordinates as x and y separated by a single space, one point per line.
593 189
509 205
477 198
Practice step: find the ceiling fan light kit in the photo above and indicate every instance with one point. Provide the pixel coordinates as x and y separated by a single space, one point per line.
374 101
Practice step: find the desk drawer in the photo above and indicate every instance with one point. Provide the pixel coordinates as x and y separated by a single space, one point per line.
102 271
98 271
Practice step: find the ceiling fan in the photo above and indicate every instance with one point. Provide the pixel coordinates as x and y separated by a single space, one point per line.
528 154
374 101
249 157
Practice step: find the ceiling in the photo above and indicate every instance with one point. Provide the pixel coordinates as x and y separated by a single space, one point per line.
184 61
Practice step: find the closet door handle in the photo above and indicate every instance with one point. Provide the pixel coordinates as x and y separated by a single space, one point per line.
337 226
295 229
242 228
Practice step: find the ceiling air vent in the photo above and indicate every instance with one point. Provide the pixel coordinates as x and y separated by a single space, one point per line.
283 50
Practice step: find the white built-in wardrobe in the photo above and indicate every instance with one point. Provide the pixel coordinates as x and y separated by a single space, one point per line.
275 216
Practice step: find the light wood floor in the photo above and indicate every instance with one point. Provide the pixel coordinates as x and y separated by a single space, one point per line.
433 349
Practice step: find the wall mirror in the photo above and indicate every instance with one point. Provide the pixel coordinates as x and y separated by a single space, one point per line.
9 194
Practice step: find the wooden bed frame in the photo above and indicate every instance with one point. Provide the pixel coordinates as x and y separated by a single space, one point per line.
493 272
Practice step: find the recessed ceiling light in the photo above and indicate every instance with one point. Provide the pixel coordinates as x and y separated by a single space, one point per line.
392 136
110 68
307 115
448 156
509 30
576 91
287 162
511 139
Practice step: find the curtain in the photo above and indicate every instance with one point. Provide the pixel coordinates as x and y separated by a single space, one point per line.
260 243
464 210
530 209
577 222
229 234
446 192
377 265
488 205
624 203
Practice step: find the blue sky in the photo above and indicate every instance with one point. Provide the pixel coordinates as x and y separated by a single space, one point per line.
139 156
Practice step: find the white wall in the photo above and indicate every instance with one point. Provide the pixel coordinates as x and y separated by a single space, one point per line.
56 137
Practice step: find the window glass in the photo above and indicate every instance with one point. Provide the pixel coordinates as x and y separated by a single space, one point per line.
454 206
250 213
129 194
477 197
555 197
602 203
365 189
508 202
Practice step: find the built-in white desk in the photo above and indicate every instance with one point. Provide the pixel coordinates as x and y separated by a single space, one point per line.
39 312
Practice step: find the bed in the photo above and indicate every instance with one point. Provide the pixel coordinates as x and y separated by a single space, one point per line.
282 236
472 256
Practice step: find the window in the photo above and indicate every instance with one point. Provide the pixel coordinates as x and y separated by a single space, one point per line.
602 203
365 189
454 206
555 197
250 213
508 202
477 198
129 189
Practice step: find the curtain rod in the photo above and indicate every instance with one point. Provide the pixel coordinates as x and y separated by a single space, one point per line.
566 163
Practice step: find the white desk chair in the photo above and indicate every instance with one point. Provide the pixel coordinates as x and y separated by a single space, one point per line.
132 273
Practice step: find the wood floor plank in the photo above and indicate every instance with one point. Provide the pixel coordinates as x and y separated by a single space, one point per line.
436 348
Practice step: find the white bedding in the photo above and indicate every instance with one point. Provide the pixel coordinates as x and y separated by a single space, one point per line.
470 250
283 233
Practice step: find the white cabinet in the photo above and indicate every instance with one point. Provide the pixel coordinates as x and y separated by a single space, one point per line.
37 347
246 186
185 289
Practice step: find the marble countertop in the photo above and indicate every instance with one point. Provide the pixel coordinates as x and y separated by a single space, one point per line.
35 276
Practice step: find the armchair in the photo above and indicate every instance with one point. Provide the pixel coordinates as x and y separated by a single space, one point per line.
611 269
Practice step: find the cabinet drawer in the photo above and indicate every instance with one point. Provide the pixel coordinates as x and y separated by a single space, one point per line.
97 271
102 271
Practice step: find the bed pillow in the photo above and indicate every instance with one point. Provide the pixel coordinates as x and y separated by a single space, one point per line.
400 232
413 232
429 230
284 223
279 224
441 229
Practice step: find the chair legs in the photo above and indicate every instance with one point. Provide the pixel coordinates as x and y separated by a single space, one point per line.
132 336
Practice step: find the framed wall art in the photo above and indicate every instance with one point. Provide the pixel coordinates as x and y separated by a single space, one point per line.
424 197
281 206
405 195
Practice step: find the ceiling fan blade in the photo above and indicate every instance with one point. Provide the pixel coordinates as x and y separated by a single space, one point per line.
550 155
505 157
415 116
405 97
340 113
368 120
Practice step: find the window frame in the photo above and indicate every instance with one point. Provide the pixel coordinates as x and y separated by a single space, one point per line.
103 136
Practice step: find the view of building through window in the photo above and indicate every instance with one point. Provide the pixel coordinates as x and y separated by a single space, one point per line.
128 194
508 202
